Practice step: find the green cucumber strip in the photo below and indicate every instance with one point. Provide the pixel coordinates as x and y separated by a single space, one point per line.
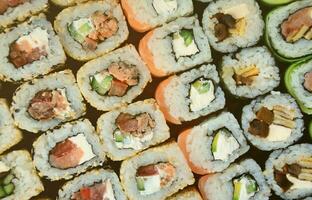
9 188
140 183
85 28
201 87
215 142
252 187
2 192
8 179
187 36
103 87
74 33
310 129
119 138
237 189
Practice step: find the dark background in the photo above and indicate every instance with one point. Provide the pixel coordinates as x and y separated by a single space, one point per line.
232 105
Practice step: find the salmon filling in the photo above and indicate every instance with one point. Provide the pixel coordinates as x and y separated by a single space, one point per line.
298 25
5 4
133 130
7 186
91 31
115 81
154 177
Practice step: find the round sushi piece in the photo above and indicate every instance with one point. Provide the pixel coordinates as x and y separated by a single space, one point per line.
46 102
97 183
289 31
189 193
233 24
289 171
92 29
175 47
145 15
16 11
131 129
155 173
250 72
65 3
18 177
190 95
29 50
298 81
68 150
214 144
114 79
272 122
240 181
9 134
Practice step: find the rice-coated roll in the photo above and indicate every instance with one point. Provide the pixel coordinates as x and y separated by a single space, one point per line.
272 122
98 183
233 24
29 50
15 11
214 144
65 3
289 171
145 15
240 181
44 103
113 80
175 47
289 30
91 29
68 150
9 133
189 193
155 173
18 177
131 129
250 72
298 81
190 95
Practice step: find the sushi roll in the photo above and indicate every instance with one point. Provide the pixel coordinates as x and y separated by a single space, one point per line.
233 24
214 144
145 15
289 172
92 29
9 134
18 177
289 31
29 50
298 81
65 3
155 173
175 47
272 122
131 129
114 79
250 72
12 11
96 183
189 193
68 150
46 102
190 95
240 181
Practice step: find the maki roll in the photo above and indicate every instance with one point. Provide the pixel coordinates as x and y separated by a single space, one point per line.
96 184
289 31
289 172
92 29
272 122
175 47
68 150
46 102
9 134
29 50
114 79
65 3
145 15
240 181
189 193
250 72
12 11
214 144
190 95
155 173
233 24
18 177
298 81
131 129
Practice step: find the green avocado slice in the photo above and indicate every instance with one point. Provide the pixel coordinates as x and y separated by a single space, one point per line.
140 183
9 188
119 138
102 87
201 86
214 144
187 36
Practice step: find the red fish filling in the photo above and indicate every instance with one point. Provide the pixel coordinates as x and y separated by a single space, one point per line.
5 4
98 191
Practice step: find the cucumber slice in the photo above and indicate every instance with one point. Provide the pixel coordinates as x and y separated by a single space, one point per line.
119 138
252 186
237 189
140 183
9 189
103 87
201 86
75 34
276 2
215 142
85 29
187 36
2 192
8 179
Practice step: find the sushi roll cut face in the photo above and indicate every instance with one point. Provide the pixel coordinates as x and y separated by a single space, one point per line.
189 193
250 73
275 121
65 3
233 24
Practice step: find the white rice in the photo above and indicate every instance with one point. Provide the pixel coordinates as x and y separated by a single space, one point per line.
189 193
